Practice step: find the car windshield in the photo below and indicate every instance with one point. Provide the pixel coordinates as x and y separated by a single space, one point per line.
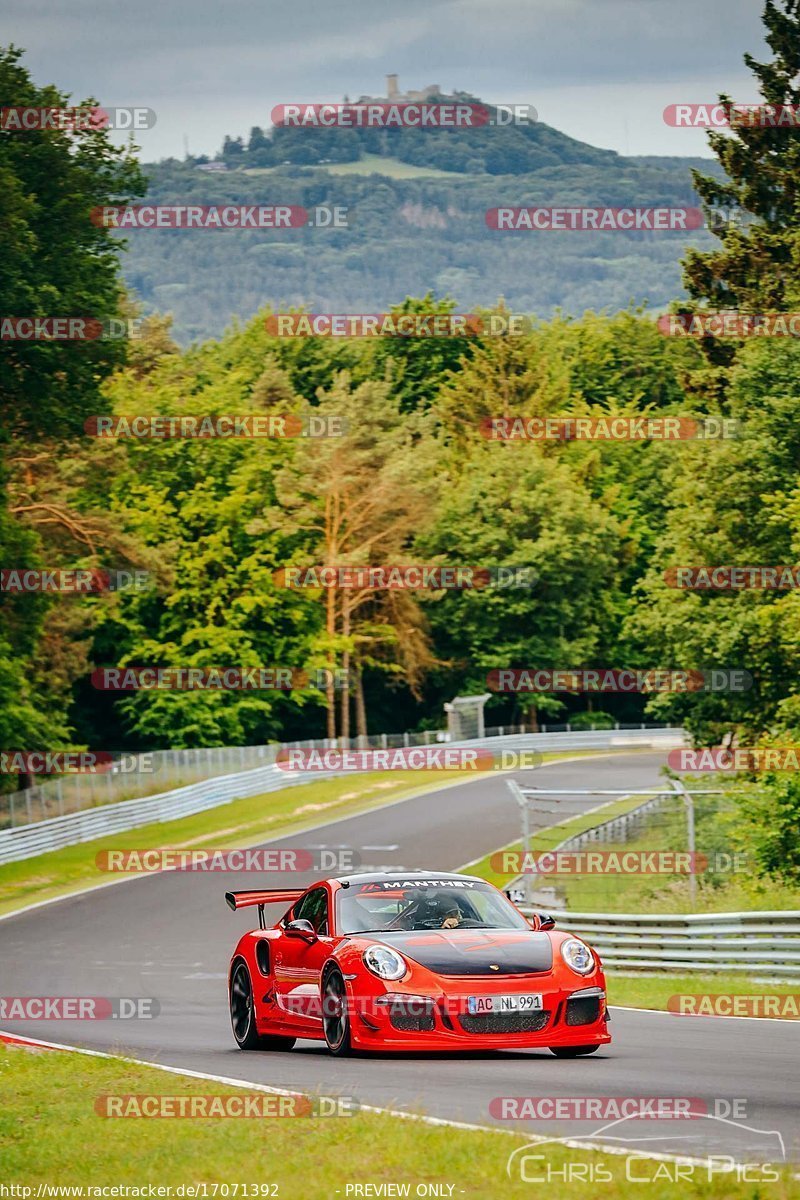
386 905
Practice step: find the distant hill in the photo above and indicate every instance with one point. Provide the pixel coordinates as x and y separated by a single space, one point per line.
419 226
512 150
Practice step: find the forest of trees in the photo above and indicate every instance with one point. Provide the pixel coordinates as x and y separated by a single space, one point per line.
404 237
408 234
412 479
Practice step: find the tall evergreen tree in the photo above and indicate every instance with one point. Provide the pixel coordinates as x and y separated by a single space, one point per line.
757 267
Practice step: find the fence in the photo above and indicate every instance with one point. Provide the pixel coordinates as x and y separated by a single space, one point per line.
137 775
25 841
767 942
618 829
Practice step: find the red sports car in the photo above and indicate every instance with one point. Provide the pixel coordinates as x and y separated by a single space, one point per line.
412 961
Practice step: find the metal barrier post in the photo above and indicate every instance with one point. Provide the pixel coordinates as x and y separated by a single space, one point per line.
688 801
598 832
522 801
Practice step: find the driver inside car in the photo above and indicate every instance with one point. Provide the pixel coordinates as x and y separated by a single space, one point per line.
452 917
439 911
430 910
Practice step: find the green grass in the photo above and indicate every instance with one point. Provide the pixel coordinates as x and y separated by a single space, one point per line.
244 822
307 1157
670 893
716 891
51 1134
371 164
648 893
554 835
229 826
654 991
374 164
93 792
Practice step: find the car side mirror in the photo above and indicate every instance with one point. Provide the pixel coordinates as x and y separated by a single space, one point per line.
541 921
302 929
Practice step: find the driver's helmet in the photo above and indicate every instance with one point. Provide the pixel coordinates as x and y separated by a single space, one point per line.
428 903
435 906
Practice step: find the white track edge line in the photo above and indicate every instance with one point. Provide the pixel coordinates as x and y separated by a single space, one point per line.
370 1108
663 1012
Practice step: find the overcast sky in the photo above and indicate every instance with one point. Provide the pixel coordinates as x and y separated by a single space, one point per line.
600 70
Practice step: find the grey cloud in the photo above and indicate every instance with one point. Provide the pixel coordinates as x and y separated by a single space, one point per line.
210 65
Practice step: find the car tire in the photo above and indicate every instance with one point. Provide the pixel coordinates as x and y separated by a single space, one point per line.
243 1021
573 1051
335 1017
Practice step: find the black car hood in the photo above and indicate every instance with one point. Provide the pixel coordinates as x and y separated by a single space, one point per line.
474 951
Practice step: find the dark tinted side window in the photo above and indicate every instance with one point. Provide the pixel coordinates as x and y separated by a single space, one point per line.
313 907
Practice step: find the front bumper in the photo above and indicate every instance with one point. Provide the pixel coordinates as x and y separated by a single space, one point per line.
405 1021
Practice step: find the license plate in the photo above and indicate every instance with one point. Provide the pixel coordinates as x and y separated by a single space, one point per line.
521 1002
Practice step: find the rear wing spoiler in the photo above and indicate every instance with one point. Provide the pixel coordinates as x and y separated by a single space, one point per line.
236 900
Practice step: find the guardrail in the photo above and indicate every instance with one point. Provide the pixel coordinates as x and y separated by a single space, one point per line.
766 942
617 829
128 777
132 776
26 841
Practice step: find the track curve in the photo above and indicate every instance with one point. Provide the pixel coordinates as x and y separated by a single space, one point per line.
170 936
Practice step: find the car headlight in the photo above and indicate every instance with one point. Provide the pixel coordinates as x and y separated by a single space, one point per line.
577 956
385 962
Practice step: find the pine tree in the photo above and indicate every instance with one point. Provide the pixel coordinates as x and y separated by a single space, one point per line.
757 267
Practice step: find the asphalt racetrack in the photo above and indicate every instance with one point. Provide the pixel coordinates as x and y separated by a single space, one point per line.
170 936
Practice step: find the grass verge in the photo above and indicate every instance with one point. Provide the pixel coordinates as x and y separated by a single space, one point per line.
725 881
53 1135
640 894
229 826
548 839
376 164
655 991
371 164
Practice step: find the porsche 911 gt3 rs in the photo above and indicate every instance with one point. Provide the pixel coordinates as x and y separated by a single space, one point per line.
412 961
